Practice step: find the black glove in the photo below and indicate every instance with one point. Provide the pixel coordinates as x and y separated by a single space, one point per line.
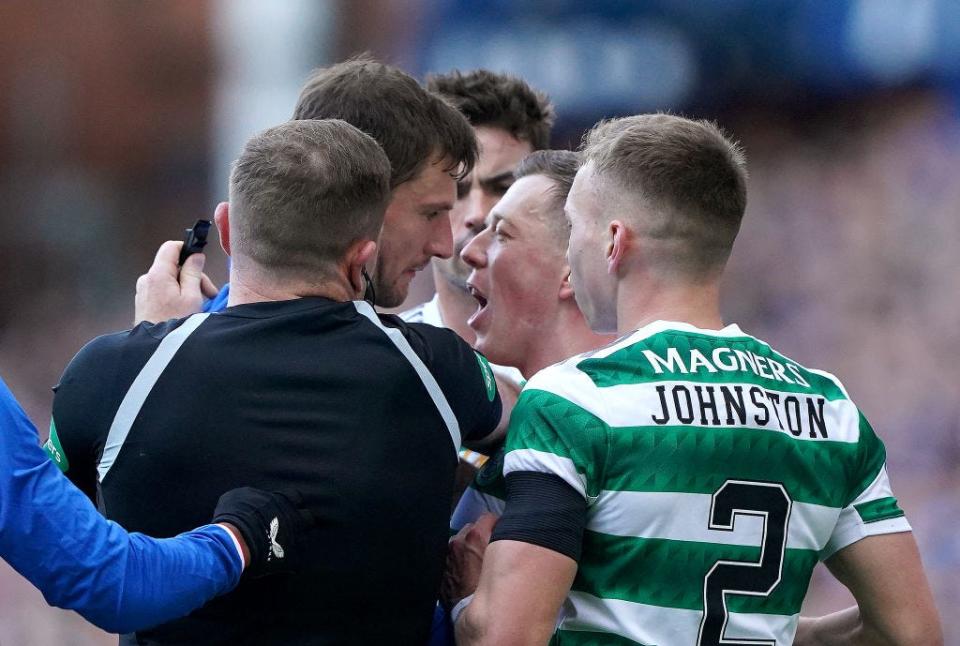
273 525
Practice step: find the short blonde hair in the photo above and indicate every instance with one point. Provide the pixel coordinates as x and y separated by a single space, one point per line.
688 176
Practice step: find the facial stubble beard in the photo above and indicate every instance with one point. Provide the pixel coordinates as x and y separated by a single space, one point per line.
387 295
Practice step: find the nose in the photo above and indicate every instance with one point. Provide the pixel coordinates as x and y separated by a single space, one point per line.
475 253
477 209
440 243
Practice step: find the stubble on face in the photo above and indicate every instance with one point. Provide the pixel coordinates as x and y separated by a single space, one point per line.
416 228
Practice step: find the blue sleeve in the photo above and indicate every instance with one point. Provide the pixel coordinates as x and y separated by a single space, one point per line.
52 535
218 302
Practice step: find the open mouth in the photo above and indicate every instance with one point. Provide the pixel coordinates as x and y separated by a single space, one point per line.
481 304
477 296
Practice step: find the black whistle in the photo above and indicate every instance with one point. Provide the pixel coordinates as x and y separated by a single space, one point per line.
194 240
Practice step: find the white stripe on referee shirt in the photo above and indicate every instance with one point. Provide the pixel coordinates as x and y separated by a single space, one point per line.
429 382
140 389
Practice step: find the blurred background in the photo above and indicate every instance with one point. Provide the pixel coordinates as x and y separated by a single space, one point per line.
118 121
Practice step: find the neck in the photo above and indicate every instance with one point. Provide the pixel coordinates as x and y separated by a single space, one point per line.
456 306
248 285
660 300
567 336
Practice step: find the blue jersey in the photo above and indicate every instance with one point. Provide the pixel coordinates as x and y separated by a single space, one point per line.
52 535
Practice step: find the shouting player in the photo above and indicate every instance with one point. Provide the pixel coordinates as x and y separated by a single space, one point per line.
527 315
510 120
679 485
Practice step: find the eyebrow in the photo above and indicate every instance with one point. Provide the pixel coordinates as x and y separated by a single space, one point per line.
494 180
437 206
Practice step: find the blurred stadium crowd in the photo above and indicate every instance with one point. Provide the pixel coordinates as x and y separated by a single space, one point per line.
847 257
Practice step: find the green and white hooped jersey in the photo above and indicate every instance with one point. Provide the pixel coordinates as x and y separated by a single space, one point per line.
717 473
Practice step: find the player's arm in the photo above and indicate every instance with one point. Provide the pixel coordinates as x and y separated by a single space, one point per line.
550 470
522 587
509 391
168 291
872 551
466 379
528 567
894 603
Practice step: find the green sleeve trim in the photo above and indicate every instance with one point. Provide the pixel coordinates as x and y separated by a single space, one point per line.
880 509
488 379
54 450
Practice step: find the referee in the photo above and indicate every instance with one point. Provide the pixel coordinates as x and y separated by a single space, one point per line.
312 390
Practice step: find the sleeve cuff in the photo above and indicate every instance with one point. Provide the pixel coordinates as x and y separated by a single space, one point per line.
236 545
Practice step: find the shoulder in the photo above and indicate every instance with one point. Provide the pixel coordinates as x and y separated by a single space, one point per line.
565 382
430 342
97 352
105 349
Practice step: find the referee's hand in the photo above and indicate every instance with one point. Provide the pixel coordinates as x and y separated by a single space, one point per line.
274 527
168 291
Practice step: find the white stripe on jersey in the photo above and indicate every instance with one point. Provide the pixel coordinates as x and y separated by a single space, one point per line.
543 462
621 405
680 517
851 528
659 625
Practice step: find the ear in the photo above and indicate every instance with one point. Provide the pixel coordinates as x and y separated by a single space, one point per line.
616 246
566 285
359 255
221 216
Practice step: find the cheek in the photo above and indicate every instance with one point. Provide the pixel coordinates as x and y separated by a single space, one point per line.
521 286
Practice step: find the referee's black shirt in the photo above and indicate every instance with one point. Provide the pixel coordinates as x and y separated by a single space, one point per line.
307 394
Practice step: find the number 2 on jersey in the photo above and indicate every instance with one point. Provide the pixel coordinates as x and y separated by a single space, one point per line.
769 501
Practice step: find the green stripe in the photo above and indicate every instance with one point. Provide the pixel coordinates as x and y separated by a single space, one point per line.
631 366
670 574
590 638
880 509
693 459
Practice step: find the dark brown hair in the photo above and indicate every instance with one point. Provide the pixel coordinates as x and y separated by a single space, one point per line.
689 176
412 126
498 100
301 193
